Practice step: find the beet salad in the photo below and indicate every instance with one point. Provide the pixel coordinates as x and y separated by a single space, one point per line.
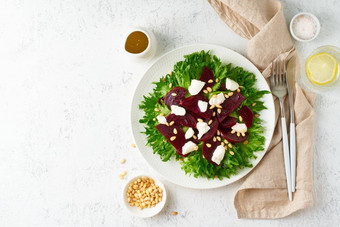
205 114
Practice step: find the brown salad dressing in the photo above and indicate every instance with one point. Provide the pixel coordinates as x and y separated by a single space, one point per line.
136 42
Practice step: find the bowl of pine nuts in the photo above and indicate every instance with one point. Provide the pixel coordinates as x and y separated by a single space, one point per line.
144 196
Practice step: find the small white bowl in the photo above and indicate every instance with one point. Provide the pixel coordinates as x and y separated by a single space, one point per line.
149 52
146 212
317 22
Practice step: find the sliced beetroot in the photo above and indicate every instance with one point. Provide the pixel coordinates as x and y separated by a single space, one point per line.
207 75
168 132
230 104
186 120
171 99
228 122
222 87
247 115
191 104
213 129
232 138
209 151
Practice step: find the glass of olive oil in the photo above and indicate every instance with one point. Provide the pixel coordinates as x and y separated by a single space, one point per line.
321 69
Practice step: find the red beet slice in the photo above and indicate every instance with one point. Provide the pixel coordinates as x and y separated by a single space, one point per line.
232 138
247 115
213 129
191 103
209 151
168 132
207 75
230 104
222 87
228 122
170 99
186 120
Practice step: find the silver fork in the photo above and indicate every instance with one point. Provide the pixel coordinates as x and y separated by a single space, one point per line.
279 89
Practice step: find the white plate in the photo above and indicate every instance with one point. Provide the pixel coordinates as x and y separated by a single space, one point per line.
171 170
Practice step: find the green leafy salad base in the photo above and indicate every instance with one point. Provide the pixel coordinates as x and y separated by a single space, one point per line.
183 72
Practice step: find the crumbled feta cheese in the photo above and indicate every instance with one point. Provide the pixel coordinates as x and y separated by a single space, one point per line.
239 127
178 110
218 154
161 119
202 105
231 84
202 128
189 133
217 99
195 87
188 147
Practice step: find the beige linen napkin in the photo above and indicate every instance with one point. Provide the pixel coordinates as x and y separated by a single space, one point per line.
264 192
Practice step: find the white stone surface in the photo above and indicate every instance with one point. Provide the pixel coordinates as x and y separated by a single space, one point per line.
65 94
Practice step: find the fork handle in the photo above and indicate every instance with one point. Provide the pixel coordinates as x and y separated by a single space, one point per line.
286 156
292 148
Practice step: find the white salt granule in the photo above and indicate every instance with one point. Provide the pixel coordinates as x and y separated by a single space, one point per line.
304 27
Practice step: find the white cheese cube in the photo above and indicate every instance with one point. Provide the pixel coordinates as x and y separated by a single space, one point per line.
202 128
239 127
218 154
161 119
195 87
231 84
178 110
217 100
188 147
202 105
189 133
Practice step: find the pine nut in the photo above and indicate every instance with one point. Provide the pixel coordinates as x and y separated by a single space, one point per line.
219 111
209 89
209 123
238 90
217 80
173 94
231 152
210 81
174 213
133 145
205 91
208 145
172 123
172 138
245 142
240 118
253 104
175 131
122 161
156 109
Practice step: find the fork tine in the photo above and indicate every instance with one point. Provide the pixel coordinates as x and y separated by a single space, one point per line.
277 73
272 82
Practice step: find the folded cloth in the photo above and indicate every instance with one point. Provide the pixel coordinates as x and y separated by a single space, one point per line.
264 191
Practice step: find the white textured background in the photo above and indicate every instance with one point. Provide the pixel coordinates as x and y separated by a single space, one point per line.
65 94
